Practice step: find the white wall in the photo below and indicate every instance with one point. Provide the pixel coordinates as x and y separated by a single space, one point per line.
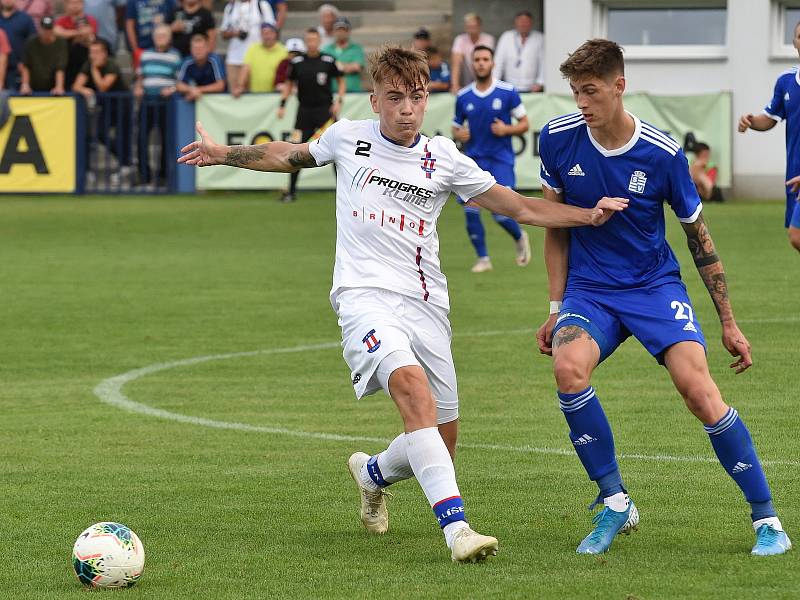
748 70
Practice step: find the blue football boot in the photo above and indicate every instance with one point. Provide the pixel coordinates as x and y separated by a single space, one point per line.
608 523
770 541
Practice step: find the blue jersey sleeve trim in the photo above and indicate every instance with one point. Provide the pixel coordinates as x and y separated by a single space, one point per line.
694 216
771 116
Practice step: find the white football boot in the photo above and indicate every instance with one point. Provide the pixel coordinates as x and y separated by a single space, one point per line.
523 246
482 265
374 515
471 546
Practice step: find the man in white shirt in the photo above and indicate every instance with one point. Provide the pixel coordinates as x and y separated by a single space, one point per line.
519 55
388 288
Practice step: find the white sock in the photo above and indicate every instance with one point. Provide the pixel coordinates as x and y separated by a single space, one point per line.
451 529
434 470
393 462
366 480
774 521
618 502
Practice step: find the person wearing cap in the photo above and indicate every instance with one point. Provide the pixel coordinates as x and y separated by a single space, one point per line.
18 27
421 40
44 61
261 63
241 26
519 56
202 72
295 47
350 57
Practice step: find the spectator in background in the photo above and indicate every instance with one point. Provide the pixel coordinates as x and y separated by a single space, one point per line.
191 18
141 19
280 9
202 72
519 56
79 30
350 58
295 47
108 14
261 63
241 26
421 40
44 61
18 27
328 14
704 173
311 74
463 45
155 83
36 9
440 71
5 50
100 75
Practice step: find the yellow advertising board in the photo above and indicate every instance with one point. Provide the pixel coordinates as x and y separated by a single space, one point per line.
38 145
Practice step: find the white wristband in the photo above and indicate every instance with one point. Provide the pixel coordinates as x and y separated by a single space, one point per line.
555 307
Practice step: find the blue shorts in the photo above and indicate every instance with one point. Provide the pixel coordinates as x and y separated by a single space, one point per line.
503 172
658 315
795 218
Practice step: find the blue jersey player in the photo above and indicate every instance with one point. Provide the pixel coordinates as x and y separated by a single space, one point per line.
623 279
785 104
487 107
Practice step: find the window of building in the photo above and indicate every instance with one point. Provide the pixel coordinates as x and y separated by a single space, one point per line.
785 15
658 29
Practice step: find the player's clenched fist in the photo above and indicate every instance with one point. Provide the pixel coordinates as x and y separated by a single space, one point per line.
745 122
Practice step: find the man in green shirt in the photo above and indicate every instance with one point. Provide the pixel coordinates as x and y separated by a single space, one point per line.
349 56
44 61
261 63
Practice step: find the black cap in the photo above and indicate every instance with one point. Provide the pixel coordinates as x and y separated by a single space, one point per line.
46 23
422 34
342 23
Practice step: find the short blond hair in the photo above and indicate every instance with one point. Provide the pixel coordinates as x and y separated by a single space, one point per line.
403 66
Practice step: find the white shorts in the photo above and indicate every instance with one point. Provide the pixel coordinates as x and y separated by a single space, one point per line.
379 324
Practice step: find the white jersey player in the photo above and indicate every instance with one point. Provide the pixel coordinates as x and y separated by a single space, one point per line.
388 288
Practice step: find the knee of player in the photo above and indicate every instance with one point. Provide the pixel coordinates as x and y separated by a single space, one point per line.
794 237
703 400
571 376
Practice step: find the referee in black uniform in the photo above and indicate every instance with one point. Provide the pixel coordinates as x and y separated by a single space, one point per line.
311 73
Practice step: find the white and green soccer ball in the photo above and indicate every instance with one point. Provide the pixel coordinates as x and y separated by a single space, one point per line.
108 555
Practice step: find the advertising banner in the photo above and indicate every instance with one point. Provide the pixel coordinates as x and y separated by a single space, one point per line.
252 119
38 145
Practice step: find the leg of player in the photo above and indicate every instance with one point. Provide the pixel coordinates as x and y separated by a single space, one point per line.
477 235
687 365
575 355
521 240
794 227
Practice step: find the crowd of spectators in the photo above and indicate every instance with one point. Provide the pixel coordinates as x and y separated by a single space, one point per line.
171 47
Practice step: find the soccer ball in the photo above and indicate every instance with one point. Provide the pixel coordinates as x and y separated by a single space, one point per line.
108 555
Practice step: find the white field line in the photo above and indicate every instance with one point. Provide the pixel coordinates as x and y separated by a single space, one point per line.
109 391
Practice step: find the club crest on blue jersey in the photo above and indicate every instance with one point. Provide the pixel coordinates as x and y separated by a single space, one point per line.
497 104
371 342
637 183
428 162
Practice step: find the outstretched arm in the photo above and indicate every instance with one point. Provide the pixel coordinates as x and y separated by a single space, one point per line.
711 271
275 157
535 211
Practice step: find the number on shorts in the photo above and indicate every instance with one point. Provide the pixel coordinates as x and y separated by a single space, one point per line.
681 309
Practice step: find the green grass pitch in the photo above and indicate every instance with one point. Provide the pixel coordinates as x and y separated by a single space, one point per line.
93 288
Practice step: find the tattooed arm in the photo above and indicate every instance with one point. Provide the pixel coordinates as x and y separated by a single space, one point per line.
276 157
711 271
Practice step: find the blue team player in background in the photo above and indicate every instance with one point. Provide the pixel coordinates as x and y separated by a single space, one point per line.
623 279
785 104
487 106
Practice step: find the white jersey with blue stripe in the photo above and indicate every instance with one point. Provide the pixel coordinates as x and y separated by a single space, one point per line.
630 250
785 104
480 108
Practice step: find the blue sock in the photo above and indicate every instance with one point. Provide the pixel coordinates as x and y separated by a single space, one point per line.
477 235
591 435
734 448
449 511
509 224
